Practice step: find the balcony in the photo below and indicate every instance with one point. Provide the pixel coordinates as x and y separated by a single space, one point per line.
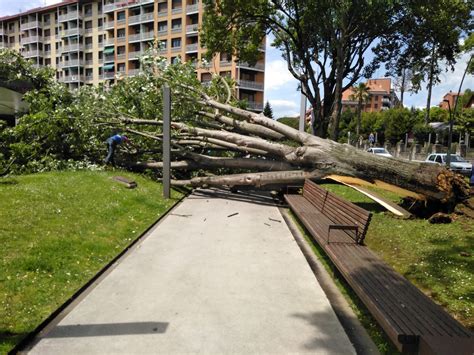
109 41
132 20
74 15
162 32
110 7
48 38
109 58
32 53
121 56
88 47
147 36
133 72
225 63
2 32
3 45
255 106
134 38
29 25
108 75
88 14
147 17
121 22
31 39
72 79
71 63
143 2
163 13
177 10
88 62
252 85
88 30
47 53
192 9
256 66
193 47
176 49
176 29
192 29
109 25
134 55
121 39
72 32
89 77
72 48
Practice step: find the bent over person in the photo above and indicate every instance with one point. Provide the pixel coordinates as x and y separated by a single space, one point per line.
112 143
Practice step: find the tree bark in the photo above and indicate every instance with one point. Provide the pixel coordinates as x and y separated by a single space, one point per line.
430 85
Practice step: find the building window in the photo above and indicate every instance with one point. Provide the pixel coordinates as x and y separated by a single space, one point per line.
121 16
162 26
88 10
121 32
101 38
163 44
176 43
176 24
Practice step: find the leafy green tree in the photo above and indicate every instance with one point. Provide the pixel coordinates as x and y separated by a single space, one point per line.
427 38
360 93
397 123
267 110
328 55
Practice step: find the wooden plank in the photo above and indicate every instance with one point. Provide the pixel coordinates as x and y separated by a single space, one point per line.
376 183
129 184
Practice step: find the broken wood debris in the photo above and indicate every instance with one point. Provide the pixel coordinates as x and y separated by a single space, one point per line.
129 184
233 214
274 220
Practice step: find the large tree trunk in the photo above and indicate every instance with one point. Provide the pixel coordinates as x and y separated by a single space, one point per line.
273 153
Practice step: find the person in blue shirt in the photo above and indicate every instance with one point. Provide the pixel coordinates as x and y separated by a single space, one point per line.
112 143
471 180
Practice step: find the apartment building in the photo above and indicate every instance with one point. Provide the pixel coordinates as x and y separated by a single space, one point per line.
449 100
93 41
381 96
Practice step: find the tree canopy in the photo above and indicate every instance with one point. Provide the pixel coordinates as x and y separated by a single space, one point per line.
325 42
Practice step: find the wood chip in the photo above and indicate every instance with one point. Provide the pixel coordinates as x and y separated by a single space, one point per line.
233 214
274 220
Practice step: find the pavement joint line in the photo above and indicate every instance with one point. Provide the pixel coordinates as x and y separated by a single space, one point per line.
28 342
357 334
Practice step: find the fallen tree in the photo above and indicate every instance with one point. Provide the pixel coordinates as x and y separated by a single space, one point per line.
266 152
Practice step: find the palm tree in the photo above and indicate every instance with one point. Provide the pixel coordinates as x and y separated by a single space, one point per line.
360 93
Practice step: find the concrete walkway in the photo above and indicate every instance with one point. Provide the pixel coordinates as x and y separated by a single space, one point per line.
206 282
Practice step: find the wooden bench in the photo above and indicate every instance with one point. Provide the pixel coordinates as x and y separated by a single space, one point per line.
412 321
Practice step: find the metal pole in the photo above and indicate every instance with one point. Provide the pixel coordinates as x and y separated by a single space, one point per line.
450 134
302 110
166 141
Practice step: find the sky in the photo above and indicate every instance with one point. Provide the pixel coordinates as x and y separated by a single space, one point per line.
280 86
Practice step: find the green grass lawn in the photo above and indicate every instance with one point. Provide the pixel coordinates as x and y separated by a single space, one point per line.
429 255
57 231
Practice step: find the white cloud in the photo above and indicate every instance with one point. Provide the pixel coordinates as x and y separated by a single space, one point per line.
449 81
284 104
277 75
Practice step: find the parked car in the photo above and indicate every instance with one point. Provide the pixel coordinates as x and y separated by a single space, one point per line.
379 151
458 164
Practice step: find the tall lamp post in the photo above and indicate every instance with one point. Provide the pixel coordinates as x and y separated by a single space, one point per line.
450 135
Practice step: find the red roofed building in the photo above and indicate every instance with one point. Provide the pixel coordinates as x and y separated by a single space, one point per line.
381 96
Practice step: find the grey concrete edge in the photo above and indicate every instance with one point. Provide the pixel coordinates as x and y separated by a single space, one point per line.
357 334
108 269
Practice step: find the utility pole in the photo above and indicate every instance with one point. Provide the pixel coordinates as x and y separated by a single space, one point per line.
166 142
